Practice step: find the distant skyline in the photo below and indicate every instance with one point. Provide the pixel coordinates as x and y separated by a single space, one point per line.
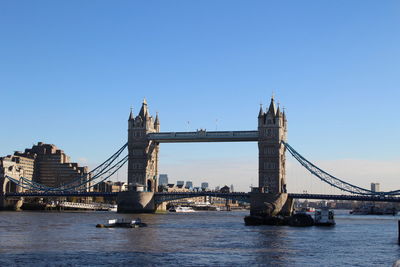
70 71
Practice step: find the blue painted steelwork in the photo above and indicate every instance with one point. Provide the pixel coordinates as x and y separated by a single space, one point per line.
107 169
332 180
81 182
62 194
244 197
164 196
204 136
346 197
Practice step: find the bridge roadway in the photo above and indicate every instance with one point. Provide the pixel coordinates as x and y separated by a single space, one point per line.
204 136
241 196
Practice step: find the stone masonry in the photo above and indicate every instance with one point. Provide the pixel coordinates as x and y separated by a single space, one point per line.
143 153
272 129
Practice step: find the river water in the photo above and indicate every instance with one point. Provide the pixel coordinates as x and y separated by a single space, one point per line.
194 239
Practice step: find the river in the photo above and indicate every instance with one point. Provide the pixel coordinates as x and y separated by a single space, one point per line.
194 239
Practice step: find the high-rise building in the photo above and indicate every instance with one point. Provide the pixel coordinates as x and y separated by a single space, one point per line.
163 179
189 185
231 187
204 186
375 187
180 184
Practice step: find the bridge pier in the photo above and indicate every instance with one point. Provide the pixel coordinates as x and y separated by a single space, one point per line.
10 203
270 204
161 207
136 202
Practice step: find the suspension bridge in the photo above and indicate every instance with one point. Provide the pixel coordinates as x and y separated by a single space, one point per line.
141 155
80 187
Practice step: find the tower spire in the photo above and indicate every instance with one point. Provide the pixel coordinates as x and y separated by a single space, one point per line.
157 121
143 111
278 111
261 113
131 114
283 114
271 108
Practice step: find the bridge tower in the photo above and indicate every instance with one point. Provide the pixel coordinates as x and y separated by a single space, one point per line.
272 130
143 153
142 164
271 199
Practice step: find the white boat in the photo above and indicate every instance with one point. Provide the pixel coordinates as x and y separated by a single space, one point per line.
122 223
324 217
181 209
113 208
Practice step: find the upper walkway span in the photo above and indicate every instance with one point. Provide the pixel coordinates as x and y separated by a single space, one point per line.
204 136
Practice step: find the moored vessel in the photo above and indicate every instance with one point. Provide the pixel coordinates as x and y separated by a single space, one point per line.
181 209
374 210
324 217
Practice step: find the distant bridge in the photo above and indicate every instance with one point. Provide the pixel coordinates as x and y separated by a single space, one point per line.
239 196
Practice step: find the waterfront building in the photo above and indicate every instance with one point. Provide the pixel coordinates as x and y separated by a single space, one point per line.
180 184
51 166
163 179
26 163
14 167
173 188
109 186
375 187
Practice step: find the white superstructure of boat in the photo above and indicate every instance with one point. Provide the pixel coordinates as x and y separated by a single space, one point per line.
324 217
113 208
181 209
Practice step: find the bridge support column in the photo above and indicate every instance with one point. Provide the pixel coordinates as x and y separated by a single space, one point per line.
269 204
2 199
10 204
136 202
161 207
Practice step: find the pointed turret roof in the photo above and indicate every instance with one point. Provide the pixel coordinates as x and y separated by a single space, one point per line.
157 121
271 108
278 112
144 111
261 113
283 114
131 117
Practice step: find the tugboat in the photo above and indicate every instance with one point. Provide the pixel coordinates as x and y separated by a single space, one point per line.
122 223
324 217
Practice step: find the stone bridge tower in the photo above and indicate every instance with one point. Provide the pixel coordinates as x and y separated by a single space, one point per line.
143 154
272 130
271 198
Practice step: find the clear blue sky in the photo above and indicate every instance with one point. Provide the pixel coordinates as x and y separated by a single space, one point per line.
70 70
